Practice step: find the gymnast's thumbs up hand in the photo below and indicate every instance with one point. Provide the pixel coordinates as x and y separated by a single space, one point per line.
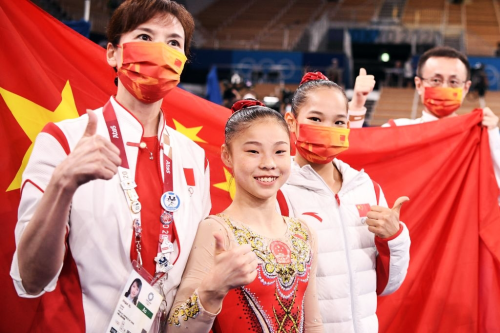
234 266
362 87
94 157
383 221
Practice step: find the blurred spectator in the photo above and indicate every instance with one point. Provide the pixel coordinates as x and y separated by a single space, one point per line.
236 79
394 76
497 51
286 101
334 72
479 82
231 95
409 74
250 94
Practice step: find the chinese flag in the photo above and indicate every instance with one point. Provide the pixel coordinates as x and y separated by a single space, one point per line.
363 209
50 73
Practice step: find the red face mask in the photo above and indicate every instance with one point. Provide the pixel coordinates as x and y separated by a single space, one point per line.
150 70
320 144
442 101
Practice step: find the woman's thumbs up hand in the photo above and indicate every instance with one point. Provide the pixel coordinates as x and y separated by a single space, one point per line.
94 157
383 221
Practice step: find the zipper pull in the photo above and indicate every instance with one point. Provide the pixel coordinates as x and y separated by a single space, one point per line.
337 198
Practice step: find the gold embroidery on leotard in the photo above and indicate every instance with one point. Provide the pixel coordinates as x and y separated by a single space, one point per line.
287 314
300 251
188 309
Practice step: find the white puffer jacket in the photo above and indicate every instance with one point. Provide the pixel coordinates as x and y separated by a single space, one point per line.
348 254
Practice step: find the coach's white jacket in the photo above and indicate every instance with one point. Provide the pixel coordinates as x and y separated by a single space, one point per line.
100 222
348 253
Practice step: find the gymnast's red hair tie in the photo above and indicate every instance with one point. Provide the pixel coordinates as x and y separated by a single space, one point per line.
245 103
313 76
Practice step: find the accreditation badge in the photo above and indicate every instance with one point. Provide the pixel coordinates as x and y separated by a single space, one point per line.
137 307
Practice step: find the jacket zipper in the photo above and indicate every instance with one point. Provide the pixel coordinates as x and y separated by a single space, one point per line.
347 250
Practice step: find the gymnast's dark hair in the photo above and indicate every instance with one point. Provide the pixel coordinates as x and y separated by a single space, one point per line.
312 81
247 111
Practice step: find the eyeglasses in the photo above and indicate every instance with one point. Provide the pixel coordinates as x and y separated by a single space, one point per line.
439 81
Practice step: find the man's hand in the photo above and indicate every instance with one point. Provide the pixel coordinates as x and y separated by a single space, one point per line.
362 87
384 222
490 120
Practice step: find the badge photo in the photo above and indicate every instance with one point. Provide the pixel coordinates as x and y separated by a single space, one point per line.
170 201
137 306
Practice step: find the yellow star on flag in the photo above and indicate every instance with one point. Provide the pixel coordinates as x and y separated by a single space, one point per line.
228 185
33 117
191 133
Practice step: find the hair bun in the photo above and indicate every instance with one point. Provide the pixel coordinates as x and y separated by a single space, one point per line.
313 76
245 103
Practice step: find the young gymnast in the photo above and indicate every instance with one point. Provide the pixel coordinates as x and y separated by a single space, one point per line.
251 269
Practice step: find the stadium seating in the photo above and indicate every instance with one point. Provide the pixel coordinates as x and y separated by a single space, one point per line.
355 11
423 12
279 24
99 12
482 27
257 24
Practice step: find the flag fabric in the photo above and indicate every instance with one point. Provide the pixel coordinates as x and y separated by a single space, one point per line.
445 168
52 73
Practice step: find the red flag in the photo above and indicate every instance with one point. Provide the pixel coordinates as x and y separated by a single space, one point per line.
445 168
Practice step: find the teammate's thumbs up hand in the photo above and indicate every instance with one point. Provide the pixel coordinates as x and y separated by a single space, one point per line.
93 157
362 87
383 221
398 204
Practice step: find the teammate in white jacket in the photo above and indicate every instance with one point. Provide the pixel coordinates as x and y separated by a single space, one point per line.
363 247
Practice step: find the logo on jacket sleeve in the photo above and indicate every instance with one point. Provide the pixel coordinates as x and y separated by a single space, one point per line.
315 215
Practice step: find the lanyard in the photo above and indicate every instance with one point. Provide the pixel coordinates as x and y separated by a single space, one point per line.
170 201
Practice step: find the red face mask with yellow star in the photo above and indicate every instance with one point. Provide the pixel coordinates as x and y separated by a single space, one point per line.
150 70
442 101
